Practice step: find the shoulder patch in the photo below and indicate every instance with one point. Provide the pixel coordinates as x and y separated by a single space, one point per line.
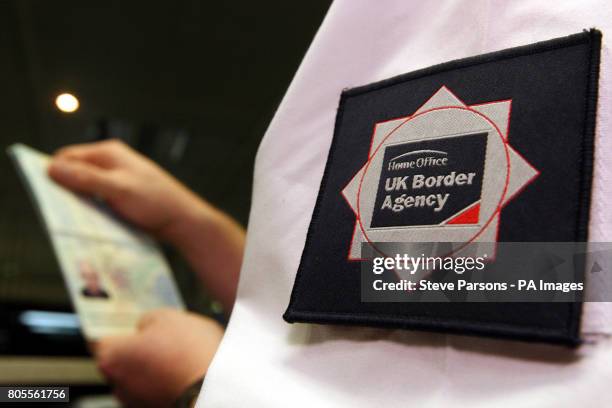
493 148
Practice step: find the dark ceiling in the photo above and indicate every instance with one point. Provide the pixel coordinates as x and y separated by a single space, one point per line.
193 84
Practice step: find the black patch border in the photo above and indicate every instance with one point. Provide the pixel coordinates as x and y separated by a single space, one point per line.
570 337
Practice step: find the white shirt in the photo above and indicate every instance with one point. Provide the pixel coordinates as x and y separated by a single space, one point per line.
265 362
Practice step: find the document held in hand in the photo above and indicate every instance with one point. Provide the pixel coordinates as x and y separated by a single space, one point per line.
113 272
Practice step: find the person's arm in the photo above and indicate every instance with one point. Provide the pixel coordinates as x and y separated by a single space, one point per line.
213 243
144 194
170 351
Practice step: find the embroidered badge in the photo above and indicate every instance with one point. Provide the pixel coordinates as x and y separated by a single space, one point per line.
464 156
441 174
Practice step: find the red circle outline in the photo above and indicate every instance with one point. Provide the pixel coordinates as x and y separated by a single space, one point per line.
499 204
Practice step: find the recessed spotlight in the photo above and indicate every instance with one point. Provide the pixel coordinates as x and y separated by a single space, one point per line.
67 102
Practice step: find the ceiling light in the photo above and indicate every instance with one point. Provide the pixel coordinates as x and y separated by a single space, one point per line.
67 102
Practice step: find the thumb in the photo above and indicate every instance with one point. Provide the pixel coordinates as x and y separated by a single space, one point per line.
112 352
153 316
83 178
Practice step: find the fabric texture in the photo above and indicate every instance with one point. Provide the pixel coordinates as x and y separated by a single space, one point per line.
265 362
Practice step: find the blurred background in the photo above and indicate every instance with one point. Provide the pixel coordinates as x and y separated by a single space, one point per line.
191 84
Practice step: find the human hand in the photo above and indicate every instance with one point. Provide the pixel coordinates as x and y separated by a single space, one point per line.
134 186
170 351
146 195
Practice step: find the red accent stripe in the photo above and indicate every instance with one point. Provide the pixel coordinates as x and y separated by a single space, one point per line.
468 216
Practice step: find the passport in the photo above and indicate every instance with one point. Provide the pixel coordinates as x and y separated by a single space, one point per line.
114 273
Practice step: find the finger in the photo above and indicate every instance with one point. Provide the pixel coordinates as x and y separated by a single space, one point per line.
111 352
108 347
102 154
84 178
146 320
151 317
